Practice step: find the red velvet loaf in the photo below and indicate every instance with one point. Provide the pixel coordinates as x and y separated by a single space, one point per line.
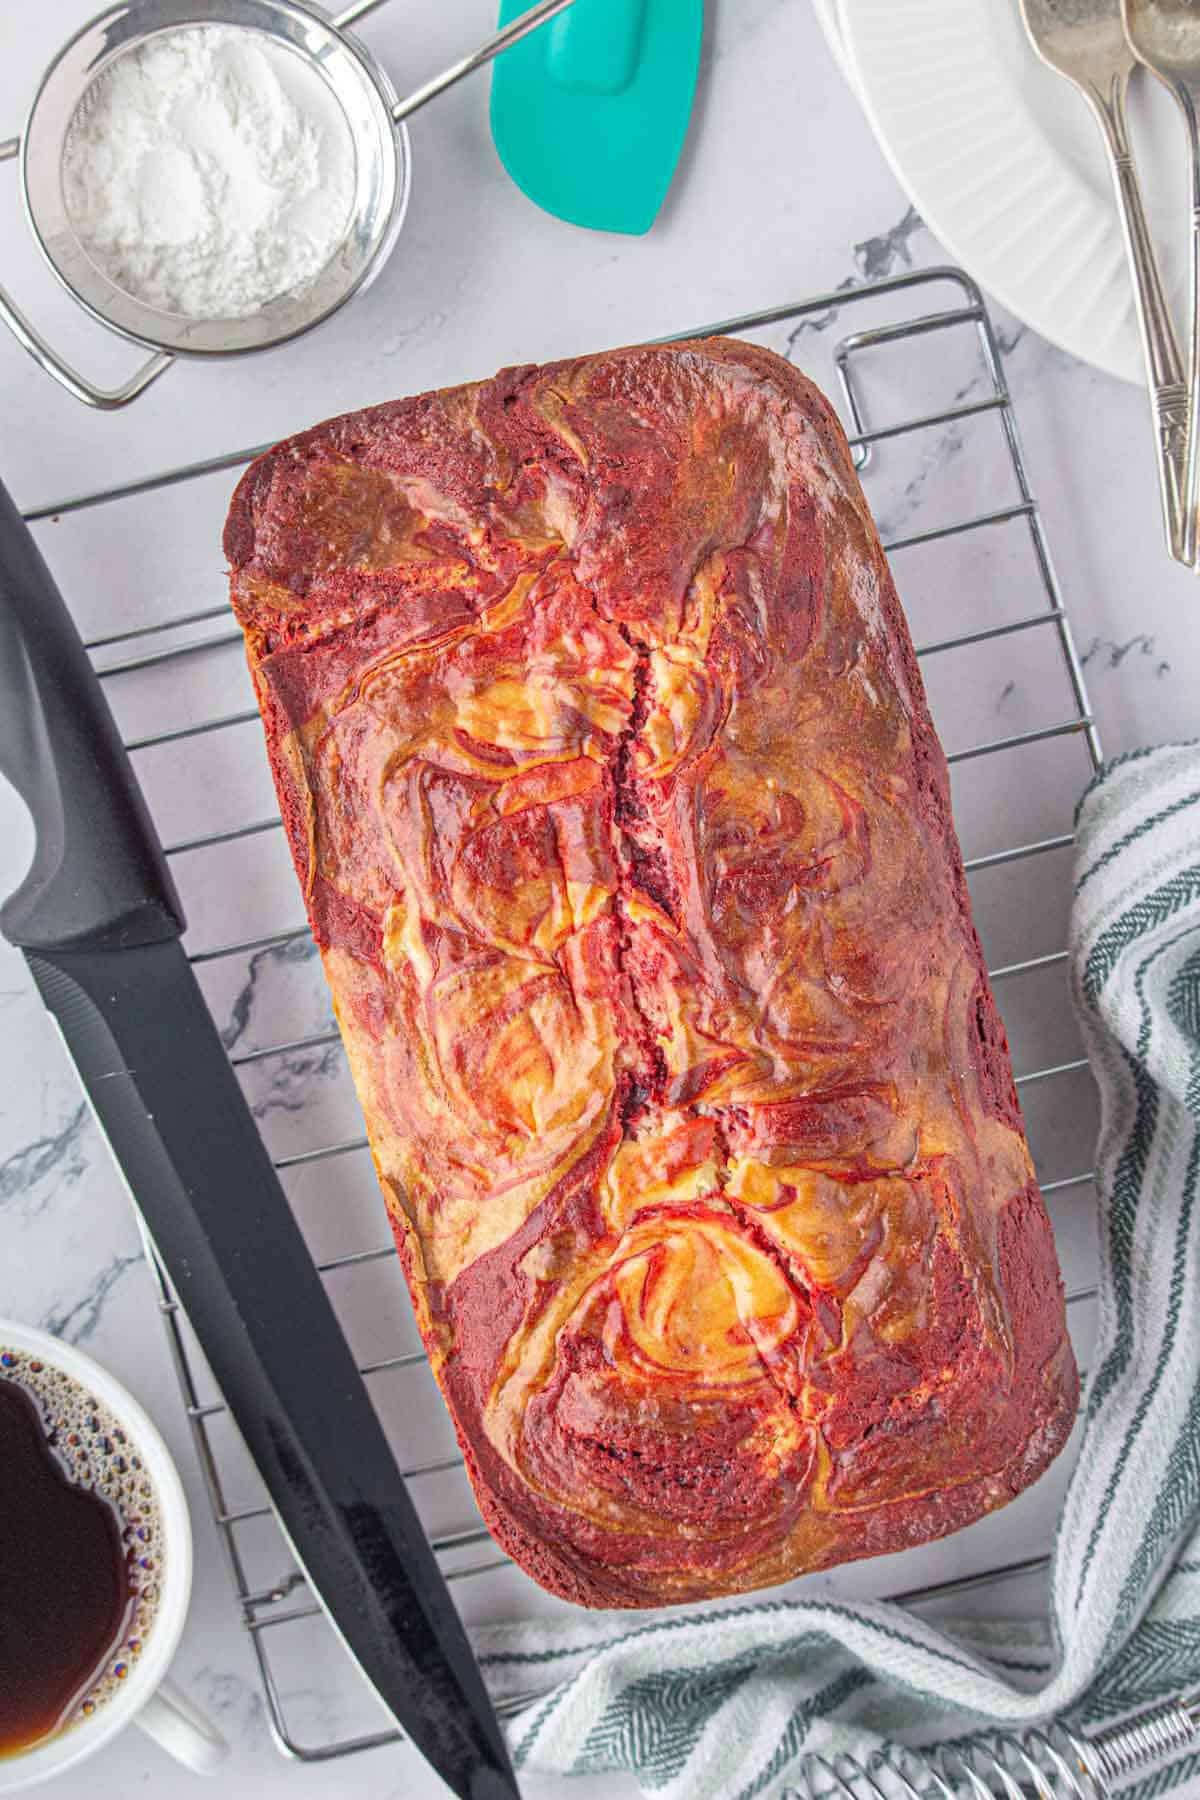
626 839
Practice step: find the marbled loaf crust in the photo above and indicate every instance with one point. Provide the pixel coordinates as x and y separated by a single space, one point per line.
626 839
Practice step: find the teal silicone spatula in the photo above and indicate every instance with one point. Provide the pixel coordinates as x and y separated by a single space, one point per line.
589 114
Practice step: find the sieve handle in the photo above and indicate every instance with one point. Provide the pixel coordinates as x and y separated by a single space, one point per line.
104 399
491 47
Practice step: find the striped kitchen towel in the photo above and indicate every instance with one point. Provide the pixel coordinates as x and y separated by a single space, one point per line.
724 1704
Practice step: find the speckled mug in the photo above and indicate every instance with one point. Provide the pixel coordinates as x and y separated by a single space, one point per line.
134 1687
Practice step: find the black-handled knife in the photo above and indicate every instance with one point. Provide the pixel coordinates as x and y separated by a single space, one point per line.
99 921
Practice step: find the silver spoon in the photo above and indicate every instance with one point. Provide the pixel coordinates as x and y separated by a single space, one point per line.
1083 40
1164 35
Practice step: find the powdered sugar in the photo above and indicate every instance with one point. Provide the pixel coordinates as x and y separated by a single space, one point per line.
209 171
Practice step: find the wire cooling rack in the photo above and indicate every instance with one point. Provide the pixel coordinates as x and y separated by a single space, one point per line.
915 367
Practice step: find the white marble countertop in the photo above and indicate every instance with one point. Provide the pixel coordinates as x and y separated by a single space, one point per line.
783 194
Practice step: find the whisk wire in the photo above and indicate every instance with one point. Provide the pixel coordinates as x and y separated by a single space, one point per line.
1165 1731
1054 1762
963 1775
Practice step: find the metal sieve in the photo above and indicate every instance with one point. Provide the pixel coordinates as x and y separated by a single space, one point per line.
374 118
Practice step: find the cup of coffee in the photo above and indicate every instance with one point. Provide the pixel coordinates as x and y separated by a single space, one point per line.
95 1568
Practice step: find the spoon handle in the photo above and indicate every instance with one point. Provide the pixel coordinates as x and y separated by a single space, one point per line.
1165 368
1191 489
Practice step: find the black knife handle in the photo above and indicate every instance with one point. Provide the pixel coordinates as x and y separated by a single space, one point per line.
98 876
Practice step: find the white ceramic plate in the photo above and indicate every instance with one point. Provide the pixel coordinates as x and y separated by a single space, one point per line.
1002 159
827 13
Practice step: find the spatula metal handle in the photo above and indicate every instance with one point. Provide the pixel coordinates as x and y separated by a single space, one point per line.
504 39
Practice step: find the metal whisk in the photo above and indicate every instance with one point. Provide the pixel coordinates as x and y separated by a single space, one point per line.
1051 1763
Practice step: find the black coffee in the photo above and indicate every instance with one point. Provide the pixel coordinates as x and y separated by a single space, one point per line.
70 1592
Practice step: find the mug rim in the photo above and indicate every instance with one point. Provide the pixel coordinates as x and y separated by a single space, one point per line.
51 1756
